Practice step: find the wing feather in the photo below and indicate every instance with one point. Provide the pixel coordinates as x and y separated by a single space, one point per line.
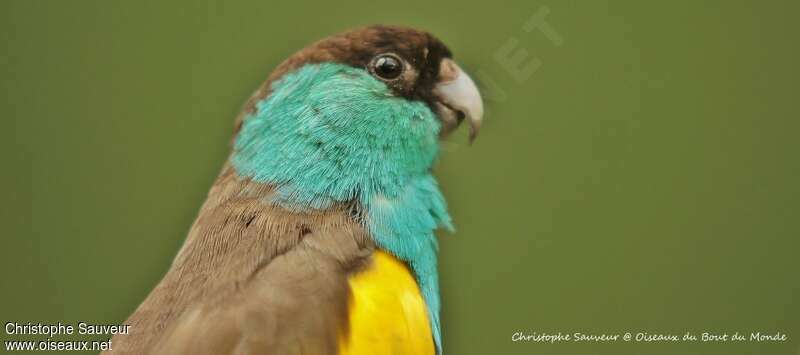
252 278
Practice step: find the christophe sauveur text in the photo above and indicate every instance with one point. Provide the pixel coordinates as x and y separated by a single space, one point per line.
24 330
645 337
83 328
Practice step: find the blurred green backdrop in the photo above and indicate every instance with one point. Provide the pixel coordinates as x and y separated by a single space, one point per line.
643 178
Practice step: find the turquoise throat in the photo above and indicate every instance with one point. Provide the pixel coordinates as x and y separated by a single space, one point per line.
331 133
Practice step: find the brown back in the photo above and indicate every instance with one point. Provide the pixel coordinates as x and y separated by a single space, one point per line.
252 278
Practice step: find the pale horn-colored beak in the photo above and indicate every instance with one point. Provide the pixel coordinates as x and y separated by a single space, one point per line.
458 98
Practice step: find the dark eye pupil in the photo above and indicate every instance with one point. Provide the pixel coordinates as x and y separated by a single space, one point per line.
388 67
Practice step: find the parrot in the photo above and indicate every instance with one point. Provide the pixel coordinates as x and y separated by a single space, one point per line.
318 235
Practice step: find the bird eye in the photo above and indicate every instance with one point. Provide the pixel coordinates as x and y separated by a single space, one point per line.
387 66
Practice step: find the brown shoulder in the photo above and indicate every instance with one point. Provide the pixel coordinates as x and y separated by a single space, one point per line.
252 278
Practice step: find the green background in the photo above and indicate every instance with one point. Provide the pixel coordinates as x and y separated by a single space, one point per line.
644 178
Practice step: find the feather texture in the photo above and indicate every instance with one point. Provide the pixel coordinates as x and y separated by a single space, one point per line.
253 278
387 312
331 133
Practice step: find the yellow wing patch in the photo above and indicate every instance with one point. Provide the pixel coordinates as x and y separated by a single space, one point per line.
387 312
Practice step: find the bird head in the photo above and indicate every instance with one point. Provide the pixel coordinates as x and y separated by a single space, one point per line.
358 110
412 64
